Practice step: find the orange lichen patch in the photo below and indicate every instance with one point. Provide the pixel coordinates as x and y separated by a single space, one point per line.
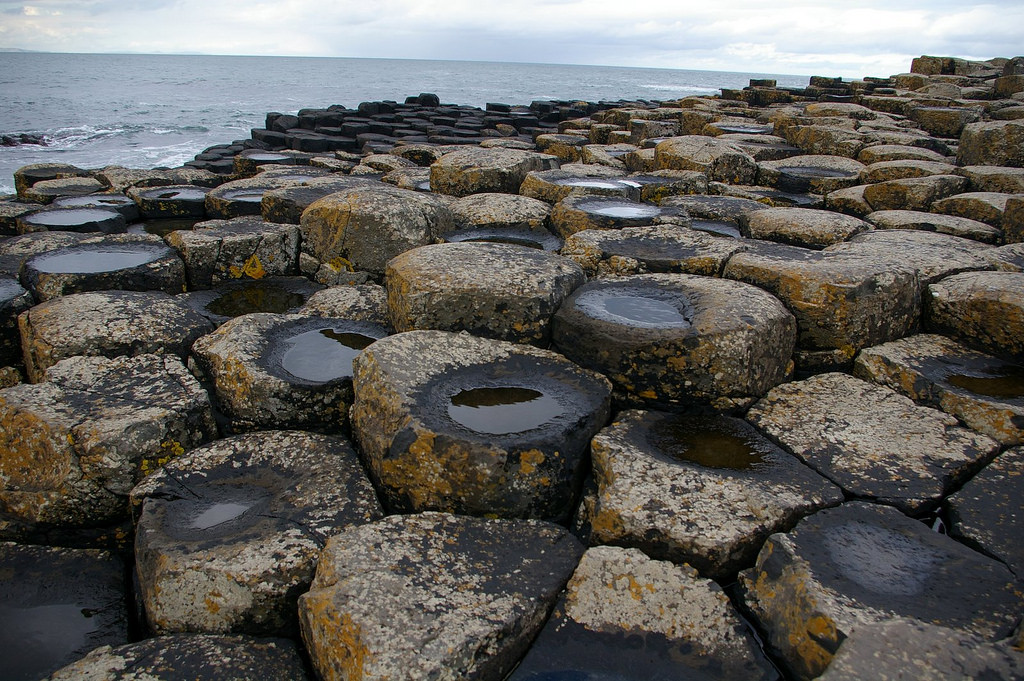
635 588
529 460
252 268
34 453
335 639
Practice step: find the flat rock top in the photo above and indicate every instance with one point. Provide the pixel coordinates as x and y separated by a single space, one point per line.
933 255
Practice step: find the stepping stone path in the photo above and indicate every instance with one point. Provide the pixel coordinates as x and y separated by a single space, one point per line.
911 186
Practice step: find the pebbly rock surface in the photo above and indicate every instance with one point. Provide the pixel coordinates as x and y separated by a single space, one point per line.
985 393
498 291
871 441
107 324
863 563
475 426
73 446
358 302
244 247
433 596
697 489
983 309
625 616
57 604
986 513
190 656
274 371
229 534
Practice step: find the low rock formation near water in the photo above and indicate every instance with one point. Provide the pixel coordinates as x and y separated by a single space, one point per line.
718 387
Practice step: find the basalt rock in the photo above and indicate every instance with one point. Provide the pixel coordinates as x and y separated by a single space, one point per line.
107 324
932 222
982 309
491 290
46 191
871 441
290 371
700 489
898 152
554 185
26 177
276 295
577 213
932 255
717 159
246 247
110 200
803 227
359 302
916 193
475 171
992 143
626 616
433 596
74 446
286 204
13 301
863 563
475 426
73 219
678 337
229 533
988 207
810 173
172 201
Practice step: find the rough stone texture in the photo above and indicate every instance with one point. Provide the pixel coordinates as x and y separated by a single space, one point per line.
642 250
499 211
73 219
72 448
121 179
132 262
932 255
911 650
27 176
985 393
239 198
228 534
862 563
15 250
624 615
944 121
719 160
552 186
107 324
981 309
172 201
994 179
810 173
932 222
883 171
244 247
433 596
850 201
801 226
678 337
987 513
826 140
57 604
577 213
1013 220
492 290
13 301
842 302
278 295
477 170
248 360
714 207
897 152
916 193
359 302
45 191
286 204
423 454
1008 258
993 143
188 657
364 228
704 490
871 441
988 207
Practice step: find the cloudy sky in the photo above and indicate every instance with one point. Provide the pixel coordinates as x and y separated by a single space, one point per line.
843 37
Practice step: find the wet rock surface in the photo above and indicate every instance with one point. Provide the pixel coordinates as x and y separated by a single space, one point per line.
495 291
475 426
654 249
48 619
862 563
13 301
229 533
678 338
625 616
222 250
277 295
697 489
475 171
871 441
433 595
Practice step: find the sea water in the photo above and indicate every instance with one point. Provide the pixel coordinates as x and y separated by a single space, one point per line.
144 111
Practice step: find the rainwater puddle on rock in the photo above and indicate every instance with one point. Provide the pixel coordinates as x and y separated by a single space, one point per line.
1004 382
811 172
35 638
177 194
881 560
716 227
623 210
163 227
746 129
503 410
268 158
584 182
113 201
246 195
323 355
215 510
87 261
258 297
218 514
650 311
72 217
711 441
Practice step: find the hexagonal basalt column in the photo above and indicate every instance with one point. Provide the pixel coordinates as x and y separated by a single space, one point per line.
981 309
577 213
810 173
492 290
861 563
294 371
176 201
454 422
13 301
107 324
701 489
803 227
221 250
128 262
678 338
554 185
276 295
477 170
719 160
72 448
229 534
73 219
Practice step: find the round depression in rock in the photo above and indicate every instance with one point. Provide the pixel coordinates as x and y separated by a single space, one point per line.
129 263
475 426
176 201
277 295
274 370
678 338
73 219
576 213
113 201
